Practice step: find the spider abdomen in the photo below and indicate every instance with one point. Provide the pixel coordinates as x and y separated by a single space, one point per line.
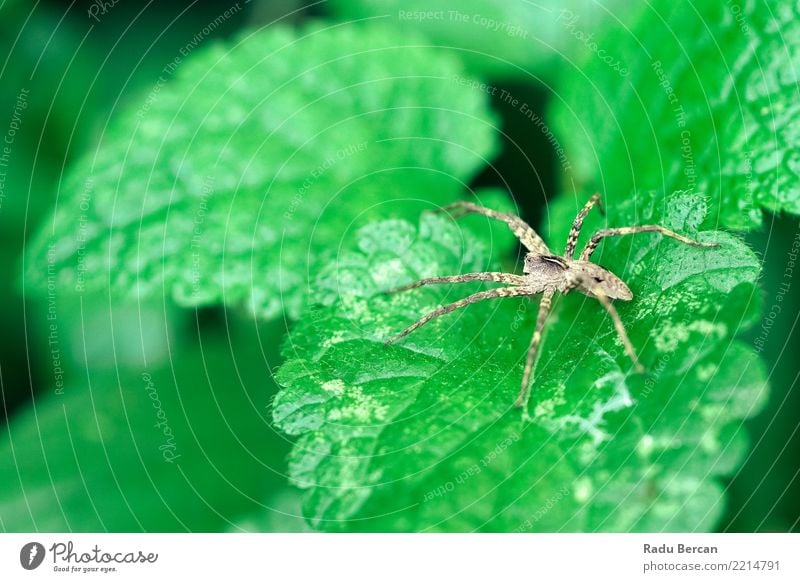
544 271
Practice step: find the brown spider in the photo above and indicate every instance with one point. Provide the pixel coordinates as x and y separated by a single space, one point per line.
547 274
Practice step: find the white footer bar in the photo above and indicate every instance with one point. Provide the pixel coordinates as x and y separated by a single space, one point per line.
396 557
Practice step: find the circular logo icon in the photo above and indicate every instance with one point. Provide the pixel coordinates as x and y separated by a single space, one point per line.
31 555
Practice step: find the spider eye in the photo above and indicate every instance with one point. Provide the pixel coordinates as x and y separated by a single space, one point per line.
597 279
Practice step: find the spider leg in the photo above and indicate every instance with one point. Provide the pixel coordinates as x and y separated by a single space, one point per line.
575 231
591 246
541 318
527 236
508 278
623 335
475 297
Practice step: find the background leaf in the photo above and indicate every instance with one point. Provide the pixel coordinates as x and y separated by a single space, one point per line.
230 181
710 104
422 435
171 445
509 39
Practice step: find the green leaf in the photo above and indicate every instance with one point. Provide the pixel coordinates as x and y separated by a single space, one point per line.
710 104
510 39
422 435
183 445
229 182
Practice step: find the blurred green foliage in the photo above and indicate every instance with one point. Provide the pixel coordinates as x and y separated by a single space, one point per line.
302 136
73 75
81 447
176 443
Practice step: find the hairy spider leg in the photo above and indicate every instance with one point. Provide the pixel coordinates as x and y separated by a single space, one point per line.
591 246
526 235
541 318
575 231
623 335
475 297
507 278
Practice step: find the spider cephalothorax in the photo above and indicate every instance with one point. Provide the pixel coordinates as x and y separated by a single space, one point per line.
546 274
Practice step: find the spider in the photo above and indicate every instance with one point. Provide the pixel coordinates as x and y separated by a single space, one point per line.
546 274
